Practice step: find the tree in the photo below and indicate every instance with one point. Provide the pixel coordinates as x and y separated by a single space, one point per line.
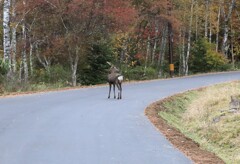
96 67
226 19
6 32
206 59
189 38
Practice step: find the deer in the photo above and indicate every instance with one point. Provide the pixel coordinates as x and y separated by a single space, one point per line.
115 79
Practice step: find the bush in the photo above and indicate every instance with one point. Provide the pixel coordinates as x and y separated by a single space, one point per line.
59 74
3 67
12 83
3 70
9 81
215 61
206 59
137 73
95 70
133 73
150 73
56 74
237 65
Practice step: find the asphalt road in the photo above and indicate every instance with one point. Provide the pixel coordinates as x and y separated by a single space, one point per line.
84 127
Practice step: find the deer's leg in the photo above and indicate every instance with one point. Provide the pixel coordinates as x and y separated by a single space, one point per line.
119 85
114 90
110 86
120 90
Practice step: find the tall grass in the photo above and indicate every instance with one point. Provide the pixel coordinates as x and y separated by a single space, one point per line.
194 112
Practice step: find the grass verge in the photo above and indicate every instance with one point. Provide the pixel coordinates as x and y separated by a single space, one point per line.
194 113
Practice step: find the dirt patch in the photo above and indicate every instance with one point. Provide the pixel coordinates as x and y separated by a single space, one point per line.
190 148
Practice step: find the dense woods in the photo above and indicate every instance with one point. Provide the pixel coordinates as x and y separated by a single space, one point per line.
69 42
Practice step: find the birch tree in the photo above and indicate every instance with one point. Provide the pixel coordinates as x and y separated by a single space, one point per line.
156 38
163 44
6 33
226 16
24 63
218 28
189 38
206 18
14 37
74 55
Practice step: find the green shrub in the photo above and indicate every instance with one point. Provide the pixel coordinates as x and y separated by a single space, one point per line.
133 73
95 70
9 81
59 74
237 65
3 67
138 73
206 59
3 70
56 74
150 73
12 83
215 61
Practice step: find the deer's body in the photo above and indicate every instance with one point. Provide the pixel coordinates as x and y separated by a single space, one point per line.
115 79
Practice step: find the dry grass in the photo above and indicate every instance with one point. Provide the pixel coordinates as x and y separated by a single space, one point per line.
195 113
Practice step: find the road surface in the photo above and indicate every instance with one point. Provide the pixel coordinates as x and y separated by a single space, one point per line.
84 127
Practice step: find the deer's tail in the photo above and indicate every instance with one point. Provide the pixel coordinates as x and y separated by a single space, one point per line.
120 78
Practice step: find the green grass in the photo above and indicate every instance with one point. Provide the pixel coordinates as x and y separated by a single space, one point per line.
22 88
193 113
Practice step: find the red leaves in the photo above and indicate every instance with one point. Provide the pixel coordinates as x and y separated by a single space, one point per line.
120 13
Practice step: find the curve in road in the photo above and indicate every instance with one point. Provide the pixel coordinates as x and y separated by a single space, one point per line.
84 127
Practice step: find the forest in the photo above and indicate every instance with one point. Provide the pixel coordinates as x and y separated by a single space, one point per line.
63 43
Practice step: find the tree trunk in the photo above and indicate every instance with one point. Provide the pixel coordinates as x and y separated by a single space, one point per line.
210 33
206 18
155 43
123 53
189 39
227 18
210 22
31 58
162 51
154 51
218 28
6 33
180 56
14 38
14 49
196 22
45 62
24 66
74 64
183 67
147 54
232 46
24 53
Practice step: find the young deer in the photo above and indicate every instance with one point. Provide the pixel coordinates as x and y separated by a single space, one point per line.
115 78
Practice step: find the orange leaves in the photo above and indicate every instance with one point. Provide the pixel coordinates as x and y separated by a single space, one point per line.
120 13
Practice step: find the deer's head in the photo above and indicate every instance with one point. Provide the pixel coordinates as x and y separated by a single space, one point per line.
113 69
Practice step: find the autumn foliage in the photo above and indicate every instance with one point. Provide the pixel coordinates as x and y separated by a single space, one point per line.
140 34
